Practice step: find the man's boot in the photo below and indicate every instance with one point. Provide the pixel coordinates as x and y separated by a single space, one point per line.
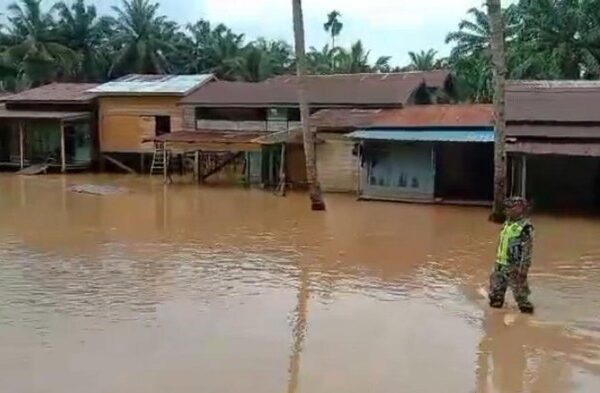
526 308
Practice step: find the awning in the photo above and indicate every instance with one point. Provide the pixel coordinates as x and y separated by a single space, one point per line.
483 135
292 137
216 140
586 149
51 115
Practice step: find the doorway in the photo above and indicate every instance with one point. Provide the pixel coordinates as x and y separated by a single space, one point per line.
162 125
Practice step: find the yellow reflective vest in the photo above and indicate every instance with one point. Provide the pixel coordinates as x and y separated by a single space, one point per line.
510 234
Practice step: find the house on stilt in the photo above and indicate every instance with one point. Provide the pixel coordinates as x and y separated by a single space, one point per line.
430 153
270 108
136 109
51 127
553 143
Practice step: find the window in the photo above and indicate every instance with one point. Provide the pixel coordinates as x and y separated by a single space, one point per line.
163 125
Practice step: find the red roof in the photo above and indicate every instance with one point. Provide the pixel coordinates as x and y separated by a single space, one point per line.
344 118
553 101
393 89
436 116
55 93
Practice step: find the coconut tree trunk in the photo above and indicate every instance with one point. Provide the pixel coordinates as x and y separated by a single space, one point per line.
316 197
498 58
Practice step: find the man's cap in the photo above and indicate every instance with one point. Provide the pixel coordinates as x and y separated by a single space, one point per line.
515 201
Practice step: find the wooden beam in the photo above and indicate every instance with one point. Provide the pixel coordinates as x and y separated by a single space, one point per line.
21 145
63 153
118 163
221 165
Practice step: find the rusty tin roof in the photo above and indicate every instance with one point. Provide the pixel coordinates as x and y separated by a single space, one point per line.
53 93
553 101
393 89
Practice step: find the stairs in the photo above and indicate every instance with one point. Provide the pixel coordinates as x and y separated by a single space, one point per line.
160 159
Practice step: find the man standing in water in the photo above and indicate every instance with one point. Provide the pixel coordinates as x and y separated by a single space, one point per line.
514 257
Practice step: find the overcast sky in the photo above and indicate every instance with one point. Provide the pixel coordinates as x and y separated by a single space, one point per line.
387 27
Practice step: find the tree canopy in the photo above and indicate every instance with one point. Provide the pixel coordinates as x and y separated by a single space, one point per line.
70 41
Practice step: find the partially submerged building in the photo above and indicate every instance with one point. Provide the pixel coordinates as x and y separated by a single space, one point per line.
553 142
271 107
52 126
135 109
433 153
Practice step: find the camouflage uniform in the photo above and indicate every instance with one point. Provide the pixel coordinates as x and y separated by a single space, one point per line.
513 272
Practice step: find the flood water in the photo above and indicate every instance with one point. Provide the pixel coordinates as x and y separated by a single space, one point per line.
190 289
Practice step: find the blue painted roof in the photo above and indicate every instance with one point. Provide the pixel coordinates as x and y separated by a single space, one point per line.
480 135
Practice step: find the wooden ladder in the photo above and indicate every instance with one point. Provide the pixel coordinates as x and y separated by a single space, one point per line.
159 159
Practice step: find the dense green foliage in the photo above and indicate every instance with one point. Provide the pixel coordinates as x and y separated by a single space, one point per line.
546 39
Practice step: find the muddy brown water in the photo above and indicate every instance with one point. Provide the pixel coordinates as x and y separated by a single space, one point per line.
181 289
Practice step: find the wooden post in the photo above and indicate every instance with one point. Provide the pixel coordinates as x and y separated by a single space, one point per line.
524 176
197 166
271 167
248 170
513 174
63 155
282 173
165 161
142 163
21 145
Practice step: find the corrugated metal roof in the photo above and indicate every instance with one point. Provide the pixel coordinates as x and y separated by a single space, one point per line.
393 89
464 115
559 130
553 101
30 114
292 137
426 135
75 93
153 84
343 118
210 136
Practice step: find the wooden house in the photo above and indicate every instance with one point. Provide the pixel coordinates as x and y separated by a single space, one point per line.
434 153
271 107
553 142
138 108
49 127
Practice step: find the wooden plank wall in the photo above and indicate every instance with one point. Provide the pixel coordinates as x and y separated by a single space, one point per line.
337 167
125 121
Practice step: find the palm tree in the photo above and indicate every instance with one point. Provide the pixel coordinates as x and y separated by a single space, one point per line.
316 197
423 60
142 46
223 52
382 64
333 25
354 61
473 36
559 39
498 58
262 59
33 48
471 56
81 30
321 62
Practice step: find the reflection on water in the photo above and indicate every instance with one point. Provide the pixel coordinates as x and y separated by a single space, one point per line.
183 288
